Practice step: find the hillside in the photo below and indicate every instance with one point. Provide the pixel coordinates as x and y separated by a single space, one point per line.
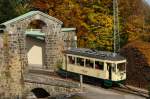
138 67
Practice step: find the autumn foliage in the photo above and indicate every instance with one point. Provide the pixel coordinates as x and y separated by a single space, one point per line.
92 18
138 67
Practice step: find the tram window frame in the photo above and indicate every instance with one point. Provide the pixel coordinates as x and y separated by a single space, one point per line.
89 63
99 65
80 61
119 68
72 59
113 68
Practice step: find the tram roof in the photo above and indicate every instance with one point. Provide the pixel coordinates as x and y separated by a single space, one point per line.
104 55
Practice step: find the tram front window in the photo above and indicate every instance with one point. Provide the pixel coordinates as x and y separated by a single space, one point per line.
121 66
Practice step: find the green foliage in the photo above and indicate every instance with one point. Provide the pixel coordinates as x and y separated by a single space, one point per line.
6 10
10 9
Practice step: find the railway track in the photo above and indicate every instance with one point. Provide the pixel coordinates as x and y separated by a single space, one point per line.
127 89
120 87
124 89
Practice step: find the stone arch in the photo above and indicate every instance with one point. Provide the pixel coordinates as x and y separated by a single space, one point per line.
36 24
31 86
52 32
17 58
35 45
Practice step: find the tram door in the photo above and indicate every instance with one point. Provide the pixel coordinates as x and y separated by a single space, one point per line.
109 68
110 72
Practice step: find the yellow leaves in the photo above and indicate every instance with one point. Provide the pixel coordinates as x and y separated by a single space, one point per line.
102 19
81 43
132 36
134 27
137 21
91 37
91 18
105 20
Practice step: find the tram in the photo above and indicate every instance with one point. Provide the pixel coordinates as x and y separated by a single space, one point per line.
98 64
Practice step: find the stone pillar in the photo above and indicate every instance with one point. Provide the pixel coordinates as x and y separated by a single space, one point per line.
52 39
13 80
22 48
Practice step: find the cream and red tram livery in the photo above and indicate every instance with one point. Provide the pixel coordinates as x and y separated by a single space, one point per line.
99 64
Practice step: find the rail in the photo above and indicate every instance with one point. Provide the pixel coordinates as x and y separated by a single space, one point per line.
127 89
122 88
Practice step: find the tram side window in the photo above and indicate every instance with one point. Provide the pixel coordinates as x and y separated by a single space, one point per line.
121 66
71 60
89 63
80 61
99 65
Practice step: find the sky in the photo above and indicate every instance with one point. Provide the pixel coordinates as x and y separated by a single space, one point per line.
148 1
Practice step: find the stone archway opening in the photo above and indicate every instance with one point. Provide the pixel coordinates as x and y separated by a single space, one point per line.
35 43
40 93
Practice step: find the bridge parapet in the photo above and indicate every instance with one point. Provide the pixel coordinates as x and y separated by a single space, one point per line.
54 86
48 80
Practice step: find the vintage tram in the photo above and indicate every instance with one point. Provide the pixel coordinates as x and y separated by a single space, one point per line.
106 66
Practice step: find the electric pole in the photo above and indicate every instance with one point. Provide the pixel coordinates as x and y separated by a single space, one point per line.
116 36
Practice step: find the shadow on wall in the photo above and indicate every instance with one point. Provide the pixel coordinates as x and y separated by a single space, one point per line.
138 70
40 93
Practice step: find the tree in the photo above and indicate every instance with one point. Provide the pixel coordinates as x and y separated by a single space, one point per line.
92 18
10 9
134 18
7 11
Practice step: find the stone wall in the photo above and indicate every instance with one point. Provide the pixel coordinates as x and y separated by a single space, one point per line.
69 39
14 54
51 39
16 63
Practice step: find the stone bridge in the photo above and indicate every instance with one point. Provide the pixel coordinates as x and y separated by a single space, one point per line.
51 84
